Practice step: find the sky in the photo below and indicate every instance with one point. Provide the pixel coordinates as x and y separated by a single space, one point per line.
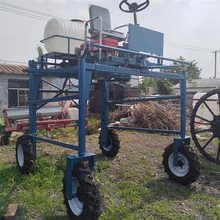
191 27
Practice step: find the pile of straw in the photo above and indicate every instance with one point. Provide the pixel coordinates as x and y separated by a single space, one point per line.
153 115
156 116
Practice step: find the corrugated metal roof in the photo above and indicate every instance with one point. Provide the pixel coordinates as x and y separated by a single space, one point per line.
8 68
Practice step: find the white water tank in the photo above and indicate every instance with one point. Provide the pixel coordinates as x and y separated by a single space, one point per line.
203 111
64 27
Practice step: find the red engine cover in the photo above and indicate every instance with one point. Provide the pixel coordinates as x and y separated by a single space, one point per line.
105 41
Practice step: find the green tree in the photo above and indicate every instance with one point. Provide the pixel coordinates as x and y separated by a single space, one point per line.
164 86
40 52
192 74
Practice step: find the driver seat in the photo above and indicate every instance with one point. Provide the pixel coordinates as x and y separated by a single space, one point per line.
94 11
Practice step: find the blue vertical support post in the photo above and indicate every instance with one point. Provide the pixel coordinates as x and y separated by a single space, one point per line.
84 86
104 112
34 85
82 106
81 124
183 138
183 105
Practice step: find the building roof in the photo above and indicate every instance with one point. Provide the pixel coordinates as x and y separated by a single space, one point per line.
9 68
202 83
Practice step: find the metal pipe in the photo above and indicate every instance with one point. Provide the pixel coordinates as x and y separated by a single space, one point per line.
144 130
71 38
59 143
145 99
100 34
139 53
183 105
54 99
82 107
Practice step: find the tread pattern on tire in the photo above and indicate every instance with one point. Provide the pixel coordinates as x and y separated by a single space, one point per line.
115 144
90 193
28 150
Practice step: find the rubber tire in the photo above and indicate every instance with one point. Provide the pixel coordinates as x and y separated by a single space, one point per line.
113 144
24 154
90 196
192 128
193 170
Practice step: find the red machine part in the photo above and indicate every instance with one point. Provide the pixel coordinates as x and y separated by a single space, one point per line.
21 126
48 125
105 41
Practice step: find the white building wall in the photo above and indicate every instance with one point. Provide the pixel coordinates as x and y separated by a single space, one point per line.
4 77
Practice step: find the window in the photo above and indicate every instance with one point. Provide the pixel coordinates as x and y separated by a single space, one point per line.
17 93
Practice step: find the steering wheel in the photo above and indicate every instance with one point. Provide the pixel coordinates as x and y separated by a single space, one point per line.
133 7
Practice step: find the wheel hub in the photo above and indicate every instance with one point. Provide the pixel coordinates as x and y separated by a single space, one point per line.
183 165
180 164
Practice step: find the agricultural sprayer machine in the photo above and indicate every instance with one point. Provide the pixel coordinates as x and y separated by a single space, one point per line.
91 50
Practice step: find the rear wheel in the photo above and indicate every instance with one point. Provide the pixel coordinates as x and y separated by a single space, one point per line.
112 147
85 202
24 154
188 169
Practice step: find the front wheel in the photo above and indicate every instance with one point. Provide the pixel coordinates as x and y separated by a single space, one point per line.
112 147
24 154
85 202
188 169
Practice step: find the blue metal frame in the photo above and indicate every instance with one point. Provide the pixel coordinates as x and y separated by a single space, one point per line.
104 85
70 161
113 69
177 141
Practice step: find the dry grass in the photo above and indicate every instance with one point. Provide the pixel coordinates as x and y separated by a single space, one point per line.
152 115
155 116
